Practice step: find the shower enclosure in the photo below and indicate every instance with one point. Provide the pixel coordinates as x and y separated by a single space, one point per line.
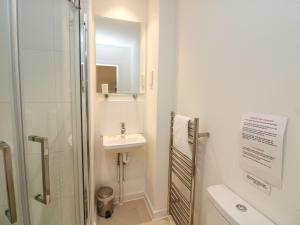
43 123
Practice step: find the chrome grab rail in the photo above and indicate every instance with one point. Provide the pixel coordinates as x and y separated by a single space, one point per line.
44 198
11 212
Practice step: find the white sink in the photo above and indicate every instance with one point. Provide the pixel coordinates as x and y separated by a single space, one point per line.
122 144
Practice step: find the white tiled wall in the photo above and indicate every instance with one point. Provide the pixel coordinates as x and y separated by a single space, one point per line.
46 89
38 75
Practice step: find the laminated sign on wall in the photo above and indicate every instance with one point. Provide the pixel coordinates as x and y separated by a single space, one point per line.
261 150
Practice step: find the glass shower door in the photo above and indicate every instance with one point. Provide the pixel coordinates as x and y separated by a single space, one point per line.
49 73
10 204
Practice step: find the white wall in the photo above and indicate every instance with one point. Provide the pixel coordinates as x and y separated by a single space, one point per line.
166 93
236 56
151 100
109 113
160 99
131 10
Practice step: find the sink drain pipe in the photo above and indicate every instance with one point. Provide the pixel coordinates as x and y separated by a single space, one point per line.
123 160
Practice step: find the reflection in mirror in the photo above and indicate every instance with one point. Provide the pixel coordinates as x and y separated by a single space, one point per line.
107 77
120 56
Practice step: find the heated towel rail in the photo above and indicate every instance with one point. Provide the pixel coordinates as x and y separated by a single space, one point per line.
182 172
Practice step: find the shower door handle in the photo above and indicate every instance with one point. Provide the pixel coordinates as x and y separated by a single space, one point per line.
44 198
11 212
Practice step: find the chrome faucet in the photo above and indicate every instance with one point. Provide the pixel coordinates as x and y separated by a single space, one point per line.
123 129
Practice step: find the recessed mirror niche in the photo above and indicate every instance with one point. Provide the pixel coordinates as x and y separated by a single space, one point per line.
120 56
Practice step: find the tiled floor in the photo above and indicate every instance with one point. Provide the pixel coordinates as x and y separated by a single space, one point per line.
158 222
130 213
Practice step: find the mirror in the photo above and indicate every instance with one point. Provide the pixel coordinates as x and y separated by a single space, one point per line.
120 56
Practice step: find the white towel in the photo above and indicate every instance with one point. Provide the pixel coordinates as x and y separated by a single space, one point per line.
181 135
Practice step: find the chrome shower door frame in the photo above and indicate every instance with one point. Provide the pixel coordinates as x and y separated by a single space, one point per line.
84 83
18 110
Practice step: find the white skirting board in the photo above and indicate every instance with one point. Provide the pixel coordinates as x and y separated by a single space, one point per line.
130 197
155 214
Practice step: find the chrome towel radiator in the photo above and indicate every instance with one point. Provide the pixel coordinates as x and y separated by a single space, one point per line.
182 171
